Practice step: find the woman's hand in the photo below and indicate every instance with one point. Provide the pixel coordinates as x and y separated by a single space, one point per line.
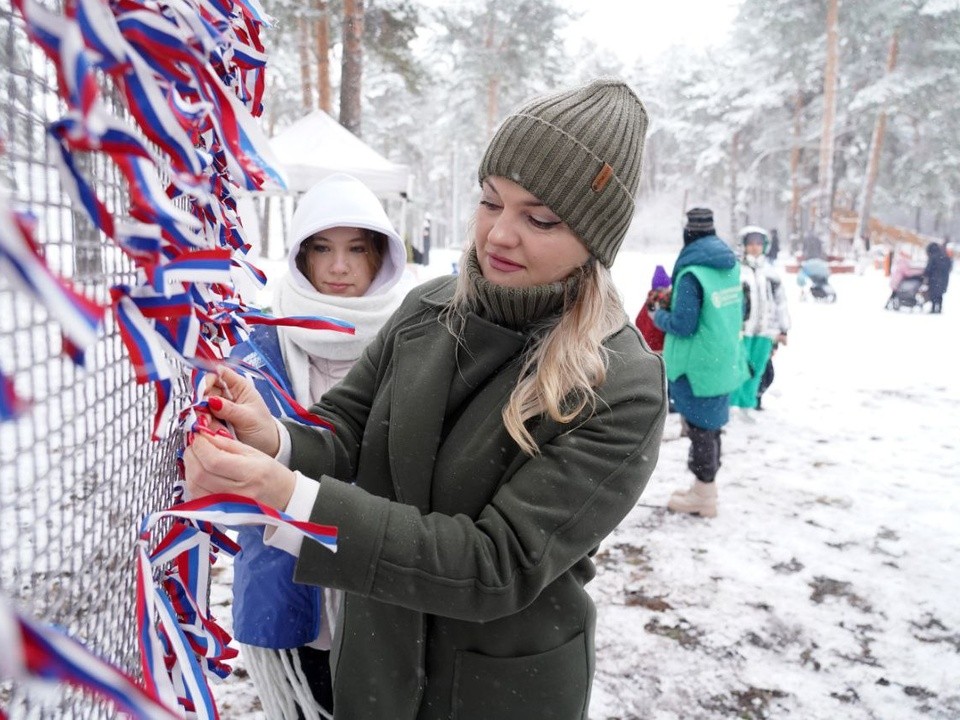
232 398
216 464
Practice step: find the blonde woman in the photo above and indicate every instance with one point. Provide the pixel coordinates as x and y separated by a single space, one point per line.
499 428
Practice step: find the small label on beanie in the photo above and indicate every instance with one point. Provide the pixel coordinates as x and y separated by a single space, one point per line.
602 178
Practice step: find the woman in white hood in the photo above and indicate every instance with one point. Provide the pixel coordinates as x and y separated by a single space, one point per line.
346 261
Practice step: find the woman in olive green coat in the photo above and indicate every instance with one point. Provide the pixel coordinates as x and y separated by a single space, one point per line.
499 427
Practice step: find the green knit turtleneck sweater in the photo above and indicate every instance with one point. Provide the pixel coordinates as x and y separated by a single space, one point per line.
516 308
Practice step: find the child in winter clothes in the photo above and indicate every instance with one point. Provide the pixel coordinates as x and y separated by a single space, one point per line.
767 319
657 298
346 261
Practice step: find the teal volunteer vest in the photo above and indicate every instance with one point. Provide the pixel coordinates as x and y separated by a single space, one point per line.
710 358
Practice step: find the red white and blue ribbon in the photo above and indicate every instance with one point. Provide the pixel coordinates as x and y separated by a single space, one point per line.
12 405
181 644
191 75
23 264
34 652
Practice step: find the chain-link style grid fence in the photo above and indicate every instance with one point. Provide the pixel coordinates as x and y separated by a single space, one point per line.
78 471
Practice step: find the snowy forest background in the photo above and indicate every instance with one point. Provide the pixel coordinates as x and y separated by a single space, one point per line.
829 563
744 124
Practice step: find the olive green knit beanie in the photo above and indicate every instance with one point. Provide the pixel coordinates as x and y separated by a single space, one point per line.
579 152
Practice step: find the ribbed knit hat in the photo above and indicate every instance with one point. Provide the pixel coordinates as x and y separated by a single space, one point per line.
579 152
700 220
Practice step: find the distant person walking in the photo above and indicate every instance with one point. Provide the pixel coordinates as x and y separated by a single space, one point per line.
937 275
766 320
702 352
773 252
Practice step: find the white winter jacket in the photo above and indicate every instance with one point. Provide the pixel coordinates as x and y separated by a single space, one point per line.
768 315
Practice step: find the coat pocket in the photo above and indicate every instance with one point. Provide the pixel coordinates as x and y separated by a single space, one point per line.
552 685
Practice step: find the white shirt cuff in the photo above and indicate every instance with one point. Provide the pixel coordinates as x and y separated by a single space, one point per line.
285 451
299 508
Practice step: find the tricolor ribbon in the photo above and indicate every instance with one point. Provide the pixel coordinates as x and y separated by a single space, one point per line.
180 643
310 322
208 266
12 405
22 262
190 73
35 652
63 43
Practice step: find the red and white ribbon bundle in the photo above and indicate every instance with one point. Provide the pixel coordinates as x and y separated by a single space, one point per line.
181 644
36 653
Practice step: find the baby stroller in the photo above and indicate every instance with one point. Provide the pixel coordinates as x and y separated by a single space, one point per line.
909 293
817 271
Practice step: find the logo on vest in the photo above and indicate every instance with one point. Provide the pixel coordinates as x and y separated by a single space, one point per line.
727 296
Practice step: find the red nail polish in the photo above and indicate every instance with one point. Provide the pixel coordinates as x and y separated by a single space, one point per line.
215 403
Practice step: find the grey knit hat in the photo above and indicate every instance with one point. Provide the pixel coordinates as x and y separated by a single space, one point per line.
700 220
579 151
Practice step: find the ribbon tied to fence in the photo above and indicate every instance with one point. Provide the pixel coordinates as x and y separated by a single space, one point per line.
181 645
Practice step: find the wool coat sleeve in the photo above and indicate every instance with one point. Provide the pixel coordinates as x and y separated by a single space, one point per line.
548 514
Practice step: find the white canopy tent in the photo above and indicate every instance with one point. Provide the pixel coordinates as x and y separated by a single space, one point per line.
314 147
317 145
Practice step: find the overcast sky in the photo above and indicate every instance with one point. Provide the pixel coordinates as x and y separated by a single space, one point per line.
644 28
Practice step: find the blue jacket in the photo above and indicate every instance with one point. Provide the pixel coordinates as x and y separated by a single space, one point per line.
269 609
709 413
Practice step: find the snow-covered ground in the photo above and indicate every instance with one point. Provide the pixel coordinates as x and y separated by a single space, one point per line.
827 587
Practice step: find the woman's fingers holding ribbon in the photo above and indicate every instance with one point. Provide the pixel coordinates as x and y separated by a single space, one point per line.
233 399
216 464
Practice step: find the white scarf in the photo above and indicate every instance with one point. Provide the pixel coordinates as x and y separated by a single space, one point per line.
367 314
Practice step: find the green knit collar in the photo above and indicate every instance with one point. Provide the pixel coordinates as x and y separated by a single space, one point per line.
517 308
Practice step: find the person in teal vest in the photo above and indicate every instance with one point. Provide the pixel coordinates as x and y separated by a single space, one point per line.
701 352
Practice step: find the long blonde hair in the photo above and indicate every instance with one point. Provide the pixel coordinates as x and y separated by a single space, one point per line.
565 362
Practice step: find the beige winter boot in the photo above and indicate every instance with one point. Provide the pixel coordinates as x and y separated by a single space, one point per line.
700 499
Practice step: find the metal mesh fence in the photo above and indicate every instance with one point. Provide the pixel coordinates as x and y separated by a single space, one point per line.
78 470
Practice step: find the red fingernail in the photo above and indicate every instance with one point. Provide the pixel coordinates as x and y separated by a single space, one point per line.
215 403
224 433
206 431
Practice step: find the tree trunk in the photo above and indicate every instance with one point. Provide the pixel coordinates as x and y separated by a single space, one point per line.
873 161
351 77
264 217
825 169
303 30
734 188
324 101
794 220
493 82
